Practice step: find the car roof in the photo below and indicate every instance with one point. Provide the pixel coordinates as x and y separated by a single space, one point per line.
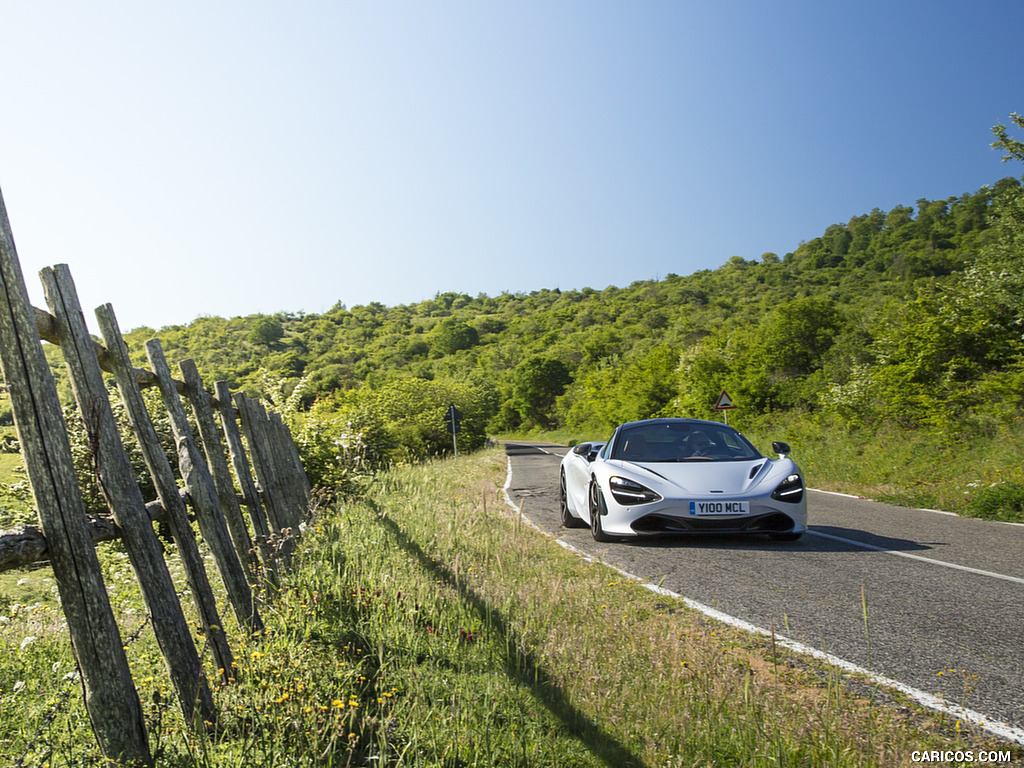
672 420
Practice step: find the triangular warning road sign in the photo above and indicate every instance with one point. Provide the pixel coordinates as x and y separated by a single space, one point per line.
724 402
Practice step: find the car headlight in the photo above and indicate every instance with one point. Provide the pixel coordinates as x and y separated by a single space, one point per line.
630 492
791 489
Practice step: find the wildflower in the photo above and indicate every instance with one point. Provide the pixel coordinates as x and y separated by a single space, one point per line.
27 641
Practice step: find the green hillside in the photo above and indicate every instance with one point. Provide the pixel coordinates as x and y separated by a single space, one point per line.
906 301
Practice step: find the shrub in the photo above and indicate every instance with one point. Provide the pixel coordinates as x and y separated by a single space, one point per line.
1001 501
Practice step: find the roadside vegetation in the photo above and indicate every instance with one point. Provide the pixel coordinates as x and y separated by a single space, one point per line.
426 625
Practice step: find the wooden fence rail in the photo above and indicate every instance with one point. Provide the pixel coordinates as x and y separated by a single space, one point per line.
241 545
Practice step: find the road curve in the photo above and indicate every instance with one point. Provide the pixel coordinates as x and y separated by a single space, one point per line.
944 594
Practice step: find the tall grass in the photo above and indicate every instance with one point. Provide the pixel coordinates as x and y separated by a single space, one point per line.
426 626
980 475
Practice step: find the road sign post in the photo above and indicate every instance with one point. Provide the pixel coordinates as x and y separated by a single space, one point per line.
454 419
725 404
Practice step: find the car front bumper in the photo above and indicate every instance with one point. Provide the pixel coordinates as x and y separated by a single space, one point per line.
667 517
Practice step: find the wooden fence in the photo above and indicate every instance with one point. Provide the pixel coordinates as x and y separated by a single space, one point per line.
275 500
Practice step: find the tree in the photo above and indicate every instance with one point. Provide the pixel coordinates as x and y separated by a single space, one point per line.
705 369
1008 248
640 386
797 334
1013 148
266 331
452 335
999 274
536 383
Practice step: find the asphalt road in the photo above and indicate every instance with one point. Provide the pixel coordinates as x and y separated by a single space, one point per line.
944 594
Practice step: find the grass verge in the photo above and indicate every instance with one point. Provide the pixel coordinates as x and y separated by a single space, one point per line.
426 626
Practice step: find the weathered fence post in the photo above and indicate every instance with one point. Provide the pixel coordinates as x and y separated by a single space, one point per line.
121 492
271 445
218 465
295 475
167 490
203 495
111 699
244 475
262 462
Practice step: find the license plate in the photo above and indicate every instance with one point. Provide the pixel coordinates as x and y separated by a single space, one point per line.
708 508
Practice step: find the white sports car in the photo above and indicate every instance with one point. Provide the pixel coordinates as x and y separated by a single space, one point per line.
681 476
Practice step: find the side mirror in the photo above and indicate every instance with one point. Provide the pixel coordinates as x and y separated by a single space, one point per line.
583 449
781 448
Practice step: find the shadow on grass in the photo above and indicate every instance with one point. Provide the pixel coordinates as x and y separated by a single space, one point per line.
522 667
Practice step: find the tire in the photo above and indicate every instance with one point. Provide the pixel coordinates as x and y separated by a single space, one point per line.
597 510
569 520
786 536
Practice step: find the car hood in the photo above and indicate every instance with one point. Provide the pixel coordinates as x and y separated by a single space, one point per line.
703 477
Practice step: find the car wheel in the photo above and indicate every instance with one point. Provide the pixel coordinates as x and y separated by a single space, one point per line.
597 509
569 520
786 536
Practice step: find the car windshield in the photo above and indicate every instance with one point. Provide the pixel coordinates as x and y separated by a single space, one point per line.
682 441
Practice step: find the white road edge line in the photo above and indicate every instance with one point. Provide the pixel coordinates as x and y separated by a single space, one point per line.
930 561
931 701
919 509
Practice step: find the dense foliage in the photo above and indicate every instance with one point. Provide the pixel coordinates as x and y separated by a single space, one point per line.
907 315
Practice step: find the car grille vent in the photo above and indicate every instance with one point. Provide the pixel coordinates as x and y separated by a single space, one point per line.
754 470
775 522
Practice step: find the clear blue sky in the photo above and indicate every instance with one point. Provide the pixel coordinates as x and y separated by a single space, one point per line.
229 158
